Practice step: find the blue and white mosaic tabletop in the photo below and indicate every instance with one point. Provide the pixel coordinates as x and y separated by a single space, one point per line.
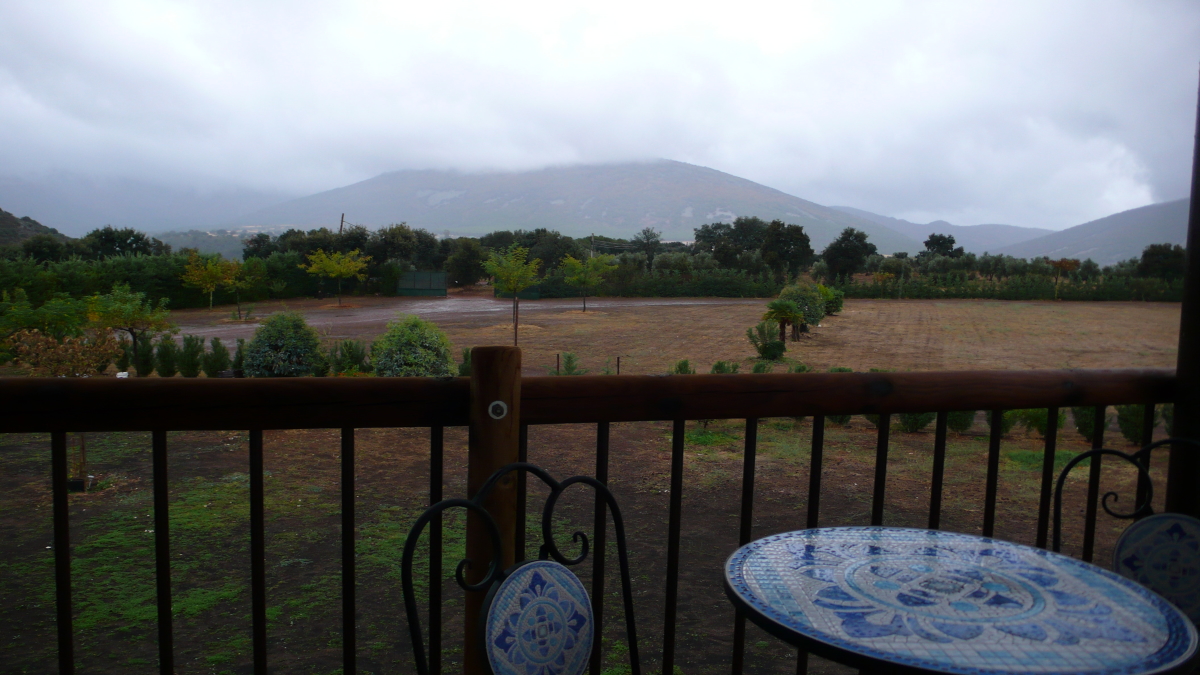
1162 552
540 622
953 603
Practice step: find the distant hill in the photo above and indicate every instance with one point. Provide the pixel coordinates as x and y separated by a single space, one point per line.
611 199
78 204
14 230
1114 238
973 238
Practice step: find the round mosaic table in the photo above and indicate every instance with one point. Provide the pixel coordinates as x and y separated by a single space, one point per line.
929 601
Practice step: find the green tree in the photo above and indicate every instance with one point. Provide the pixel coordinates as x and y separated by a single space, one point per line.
786 249
129 312
648 241
246 277
1163 261
190 355
1062 266
208 274
942 244
811 304
166 356
585 274
783 312
216 360
108 242
512 273
337 265
465 266
412 347
847 254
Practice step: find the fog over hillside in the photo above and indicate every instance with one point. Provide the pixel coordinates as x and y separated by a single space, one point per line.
612 199
75 204
973 238
1114 238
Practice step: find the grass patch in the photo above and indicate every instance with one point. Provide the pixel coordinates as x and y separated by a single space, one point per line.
710 437
1031 460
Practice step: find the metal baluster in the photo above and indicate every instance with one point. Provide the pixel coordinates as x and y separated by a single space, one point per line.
881 453
676 508
939 471
993 473
162 554
62 553
745 522
436 451
258 576
1143 486
814 471
349 612
599 530
522 491
1093 493
1043 524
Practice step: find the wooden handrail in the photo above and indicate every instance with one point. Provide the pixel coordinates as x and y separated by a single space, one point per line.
109 404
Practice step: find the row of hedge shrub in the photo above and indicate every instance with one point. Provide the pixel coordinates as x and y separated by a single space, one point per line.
1032 287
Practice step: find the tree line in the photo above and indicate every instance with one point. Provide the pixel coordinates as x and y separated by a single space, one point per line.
749 257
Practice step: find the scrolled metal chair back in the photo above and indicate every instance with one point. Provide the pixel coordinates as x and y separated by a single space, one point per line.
1139 459
547 550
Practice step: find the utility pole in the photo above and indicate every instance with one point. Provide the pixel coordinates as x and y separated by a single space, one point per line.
592 250
342 225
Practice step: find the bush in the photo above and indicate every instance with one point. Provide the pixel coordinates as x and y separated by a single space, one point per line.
960 421
1085 422
681 367
412 347
189 356
464 368
1130 419
1008 420
166 355
348 356
239 355
143 360
840 420
217 360
765 338
834 299
799 368
1168 416
873 419
285 346
761 367
1038 419
569 366
914 422
808 299
724 368
124 357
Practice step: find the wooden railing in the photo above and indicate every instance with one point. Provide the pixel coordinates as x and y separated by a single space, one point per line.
64 405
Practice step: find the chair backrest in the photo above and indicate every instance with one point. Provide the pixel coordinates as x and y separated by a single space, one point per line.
1161 552
537 616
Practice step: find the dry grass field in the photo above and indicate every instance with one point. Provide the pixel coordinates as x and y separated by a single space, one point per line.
651 333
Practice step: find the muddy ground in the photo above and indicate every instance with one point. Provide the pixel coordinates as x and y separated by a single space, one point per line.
112 528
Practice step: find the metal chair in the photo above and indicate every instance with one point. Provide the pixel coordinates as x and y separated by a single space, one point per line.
1161 552
537 616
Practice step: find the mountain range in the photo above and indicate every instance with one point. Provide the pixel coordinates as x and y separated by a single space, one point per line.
611 199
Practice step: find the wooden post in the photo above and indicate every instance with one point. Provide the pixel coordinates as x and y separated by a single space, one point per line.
494 441
1183 472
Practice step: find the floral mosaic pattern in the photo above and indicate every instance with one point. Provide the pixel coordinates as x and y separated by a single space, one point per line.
1162 553
540 622
955 603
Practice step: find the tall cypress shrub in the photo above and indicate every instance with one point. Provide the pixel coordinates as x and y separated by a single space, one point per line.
143 360
217 360
166 356
189 355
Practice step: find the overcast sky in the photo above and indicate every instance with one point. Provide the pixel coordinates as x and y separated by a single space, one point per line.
1035 113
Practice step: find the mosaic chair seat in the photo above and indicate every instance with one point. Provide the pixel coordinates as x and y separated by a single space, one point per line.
1159 551
537 618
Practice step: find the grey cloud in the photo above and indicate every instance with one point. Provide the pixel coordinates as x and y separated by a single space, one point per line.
1030 113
